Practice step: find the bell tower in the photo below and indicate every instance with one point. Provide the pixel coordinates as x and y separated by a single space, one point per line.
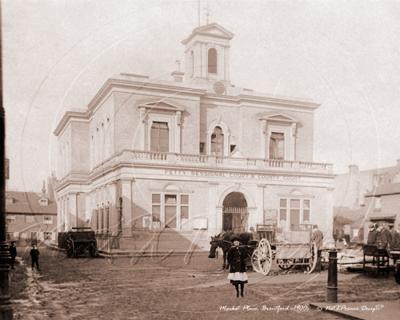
207 54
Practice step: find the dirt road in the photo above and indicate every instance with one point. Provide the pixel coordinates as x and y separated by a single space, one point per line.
177 287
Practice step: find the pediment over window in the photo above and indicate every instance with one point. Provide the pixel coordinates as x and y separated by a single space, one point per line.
237 154
161 105
280 117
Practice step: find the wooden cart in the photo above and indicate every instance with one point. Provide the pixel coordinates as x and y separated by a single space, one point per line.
293 248
380 259
395 255
78 241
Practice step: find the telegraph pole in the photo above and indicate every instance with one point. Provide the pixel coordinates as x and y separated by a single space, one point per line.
5 258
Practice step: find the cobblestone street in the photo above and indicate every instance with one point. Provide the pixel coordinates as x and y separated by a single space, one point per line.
176 287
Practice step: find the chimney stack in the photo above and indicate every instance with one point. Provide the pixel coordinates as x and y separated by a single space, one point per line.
178 74
44 187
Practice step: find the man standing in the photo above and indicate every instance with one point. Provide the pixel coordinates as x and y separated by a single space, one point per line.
383 238
317 236
13 253
371 234
395 244
35 256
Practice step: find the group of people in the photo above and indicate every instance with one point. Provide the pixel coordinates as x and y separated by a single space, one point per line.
381 236
34 253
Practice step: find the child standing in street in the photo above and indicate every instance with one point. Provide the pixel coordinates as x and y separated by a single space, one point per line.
237 273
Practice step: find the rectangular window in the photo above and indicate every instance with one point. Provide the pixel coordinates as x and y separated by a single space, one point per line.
159 137
294 212
47 220
170 210
29 218
108 219
10 219
97 221
102 220
47 235
202 149
378 204
277 146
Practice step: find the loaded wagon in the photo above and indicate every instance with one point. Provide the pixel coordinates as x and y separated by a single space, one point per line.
291 248
79 241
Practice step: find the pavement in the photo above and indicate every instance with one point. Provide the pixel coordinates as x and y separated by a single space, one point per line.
376 310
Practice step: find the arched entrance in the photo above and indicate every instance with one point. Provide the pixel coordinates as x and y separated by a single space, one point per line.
235 214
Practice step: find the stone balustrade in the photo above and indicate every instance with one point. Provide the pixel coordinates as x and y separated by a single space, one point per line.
208 161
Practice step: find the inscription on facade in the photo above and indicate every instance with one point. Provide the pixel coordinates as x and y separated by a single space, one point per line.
195 173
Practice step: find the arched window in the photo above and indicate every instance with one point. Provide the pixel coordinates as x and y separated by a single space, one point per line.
212 61
217 142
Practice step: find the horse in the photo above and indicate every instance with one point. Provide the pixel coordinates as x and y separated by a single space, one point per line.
224 241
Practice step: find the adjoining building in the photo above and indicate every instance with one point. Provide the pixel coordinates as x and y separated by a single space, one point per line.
171 163
31 216
367 196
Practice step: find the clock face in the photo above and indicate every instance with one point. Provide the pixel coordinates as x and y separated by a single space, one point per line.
219 87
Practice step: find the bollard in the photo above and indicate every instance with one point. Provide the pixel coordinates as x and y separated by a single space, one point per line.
332 277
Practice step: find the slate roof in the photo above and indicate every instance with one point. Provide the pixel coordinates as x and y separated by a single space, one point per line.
385 189
347 213
28 203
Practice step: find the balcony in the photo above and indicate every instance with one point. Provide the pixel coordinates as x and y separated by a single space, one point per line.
133 157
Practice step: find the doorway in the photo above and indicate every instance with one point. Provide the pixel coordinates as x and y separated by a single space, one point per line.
235 214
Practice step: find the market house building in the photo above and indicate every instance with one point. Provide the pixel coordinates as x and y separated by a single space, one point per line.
188 158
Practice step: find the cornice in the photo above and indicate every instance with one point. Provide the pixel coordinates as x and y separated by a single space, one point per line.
242 99
114 83
67 118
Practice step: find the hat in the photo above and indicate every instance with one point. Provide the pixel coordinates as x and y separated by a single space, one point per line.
372 225
236 239
315 226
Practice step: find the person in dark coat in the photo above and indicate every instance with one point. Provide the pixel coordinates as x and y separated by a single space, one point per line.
383 237
395 244
317 236
372 234
13 254
237 273
35 256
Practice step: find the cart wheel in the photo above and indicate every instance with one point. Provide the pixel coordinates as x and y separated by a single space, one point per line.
70 249
285 264
261 257
313 258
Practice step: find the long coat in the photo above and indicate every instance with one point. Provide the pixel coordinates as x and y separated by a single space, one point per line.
371 237
236 256
395 245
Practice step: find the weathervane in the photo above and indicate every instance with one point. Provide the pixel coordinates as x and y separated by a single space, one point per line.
208 14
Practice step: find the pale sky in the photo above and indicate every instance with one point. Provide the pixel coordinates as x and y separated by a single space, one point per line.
344 55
